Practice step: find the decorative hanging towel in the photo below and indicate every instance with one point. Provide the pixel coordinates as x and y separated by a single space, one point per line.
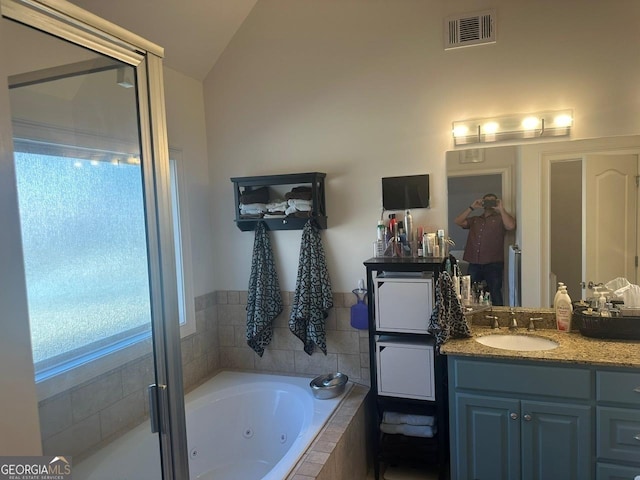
264 301
447 320
313 297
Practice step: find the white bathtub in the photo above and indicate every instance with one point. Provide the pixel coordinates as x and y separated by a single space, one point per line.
240 425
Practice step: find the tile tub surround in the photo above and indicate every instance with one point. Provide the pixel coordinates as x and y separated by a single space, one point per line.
84 418
341 450
347 348
90 415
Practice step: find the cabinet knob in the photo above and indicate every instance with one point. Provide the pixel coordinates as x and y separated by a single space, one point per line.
637 437
637 389
527 417
514 416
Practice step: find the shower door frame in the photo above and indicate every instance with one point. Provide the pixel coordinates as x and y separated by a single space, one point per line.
69 22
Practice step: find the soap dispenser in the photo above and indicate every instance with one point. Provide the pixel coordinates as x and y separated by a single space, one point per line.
555 299
564 310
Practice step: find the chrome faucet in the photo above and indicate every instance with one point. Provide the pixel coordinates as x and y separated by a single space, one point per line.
532 325
494 324
513 324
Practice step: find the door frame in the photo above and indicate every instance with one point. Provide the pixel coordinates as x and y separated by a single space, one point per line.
571 151
69 22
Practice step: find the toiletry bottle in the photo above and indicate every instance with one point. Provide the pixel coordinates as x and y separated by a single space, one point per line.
564 311
602 302
408 226
555 299
381 230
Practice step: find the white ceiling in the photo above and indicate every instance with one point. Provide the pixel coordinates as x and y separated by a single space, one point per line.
193 33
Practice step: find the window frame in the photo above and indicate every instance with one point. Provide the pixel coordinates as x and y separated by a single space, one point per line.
57 378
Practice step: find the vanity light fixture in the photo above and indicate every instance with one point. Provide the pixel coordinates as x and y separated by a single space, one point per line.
513 127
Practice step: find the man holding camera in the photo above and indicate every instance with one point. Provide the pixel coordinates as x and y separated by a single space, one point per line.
485 243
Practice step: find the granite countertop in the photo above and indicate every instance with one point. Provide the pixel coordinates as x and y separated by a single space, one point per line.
573 348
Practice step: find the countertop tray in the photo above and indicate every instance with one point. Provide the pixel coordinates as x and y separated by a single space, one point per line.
627 327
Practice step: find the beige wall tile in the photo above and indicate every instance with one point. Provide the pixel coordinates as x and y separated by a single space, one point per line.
122 415
137 375
96 395
55 414
284 339
226 336
342 341
349 365
233 297
186 348
232 315
234 357
75 439
343 316
315 364
275 361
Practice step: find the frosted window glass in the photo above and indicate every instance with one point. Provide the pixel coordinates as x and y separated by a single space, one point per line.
84 241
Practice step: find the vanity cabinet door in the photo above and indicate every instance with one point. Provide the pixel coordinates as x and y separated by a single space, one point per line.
556 441
485 438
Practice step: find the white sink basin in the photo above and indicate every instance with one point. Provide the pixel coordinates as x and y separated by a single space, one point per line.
522 343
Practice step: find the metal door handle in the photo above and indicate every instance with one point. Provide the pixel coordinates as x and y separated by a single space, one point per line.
637 437
514 416
637 389
527 417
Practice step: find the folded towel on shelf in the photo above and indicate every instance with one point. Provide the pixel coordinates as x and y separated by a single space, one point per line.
447 320
397 418
302 193
264 301
277 206
313 296
427 431
258 195
252 208
302 205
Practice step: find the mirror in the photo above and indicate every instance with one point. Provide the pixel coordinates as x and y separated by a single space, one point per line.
576 207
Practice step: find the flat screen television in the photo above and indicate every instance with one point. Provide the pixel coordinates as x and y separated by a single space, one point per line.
402 193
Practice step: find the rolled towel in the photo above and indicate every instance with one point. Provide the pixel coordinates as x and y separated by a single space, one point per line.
409 430
410 419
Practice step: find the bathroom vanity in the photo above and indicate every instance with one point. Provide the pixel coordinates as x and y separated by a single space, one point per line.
570 413
408 376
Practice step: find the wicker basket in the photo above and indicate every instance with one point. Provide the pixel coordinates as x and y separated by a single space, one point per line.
609 327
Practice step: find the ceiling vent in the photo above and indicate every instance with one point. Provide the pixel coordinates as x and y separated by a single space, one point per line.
470 29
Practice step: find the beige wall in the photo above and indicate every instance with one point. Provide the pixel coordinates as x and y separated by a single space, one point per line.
361 90
186 131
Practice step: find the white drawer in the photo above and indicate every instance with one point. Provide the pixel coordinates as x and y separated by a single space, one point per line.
405 368
403 304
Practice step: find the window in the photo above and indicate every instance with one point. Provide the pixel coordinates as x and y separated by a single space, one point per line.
84 242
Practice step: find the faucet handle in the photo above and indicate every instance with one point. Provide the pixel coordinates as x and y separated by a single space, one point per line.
494 324
532 325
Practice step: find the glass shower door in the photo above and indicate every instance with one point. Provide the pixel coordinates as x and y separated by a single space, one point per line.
100 294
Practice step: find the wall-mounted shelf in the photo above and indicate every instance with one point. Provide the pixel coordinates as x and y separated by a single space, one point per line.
278 185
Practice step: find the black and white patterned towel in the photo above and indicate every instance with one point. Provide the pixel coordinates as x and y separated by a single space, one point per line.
447 320
264 301
313 297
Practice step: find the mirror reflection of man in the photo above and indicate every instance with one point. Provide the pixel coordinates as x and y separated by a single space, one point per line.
485 242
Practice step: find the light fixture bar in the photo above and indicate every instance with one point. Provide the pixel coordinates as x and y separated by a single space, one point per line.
513 127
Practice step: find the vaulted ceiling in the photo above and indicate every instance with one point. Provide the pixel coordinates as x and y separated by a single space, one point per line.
194 33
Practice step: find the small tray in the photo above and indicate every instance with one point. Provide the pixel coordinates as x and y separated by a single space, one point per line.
610 327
